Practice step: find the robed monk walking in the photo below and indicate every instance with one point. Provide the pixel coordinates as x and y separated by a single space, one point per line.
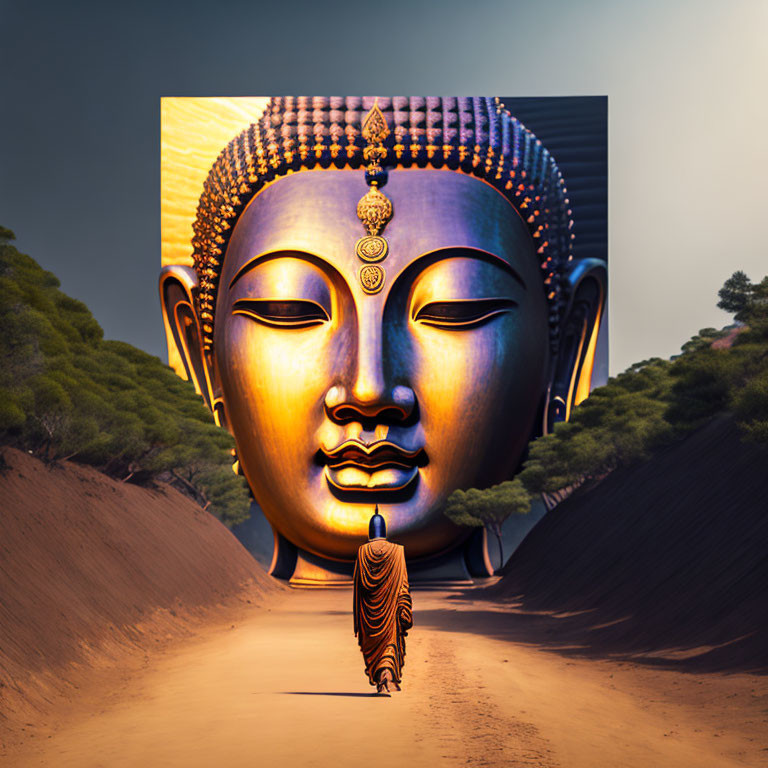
382 606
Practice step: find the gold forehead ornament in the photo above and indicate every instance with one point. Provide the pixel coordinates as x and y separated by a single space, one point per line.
374 208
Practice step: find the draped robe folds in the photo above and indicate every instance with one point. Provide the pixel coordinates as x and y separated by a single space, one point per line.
382 607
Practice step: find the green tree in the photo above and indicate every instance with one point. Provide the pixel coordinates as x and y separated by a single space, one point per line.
736 295
620 422
489 507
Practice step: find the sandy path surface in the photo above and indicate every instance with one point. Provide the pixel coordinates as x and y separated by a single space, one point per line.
285 687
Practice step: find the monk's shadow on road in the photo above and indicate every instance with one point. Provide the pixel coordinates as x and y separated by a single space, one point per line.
337 693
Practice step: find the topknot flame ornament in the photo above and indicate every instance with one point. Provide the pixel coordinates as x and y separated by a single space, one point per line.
375 130
374 208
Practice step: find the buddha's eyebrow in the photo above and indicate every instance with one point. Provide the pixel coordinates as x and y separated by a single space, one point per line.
267 255
470 252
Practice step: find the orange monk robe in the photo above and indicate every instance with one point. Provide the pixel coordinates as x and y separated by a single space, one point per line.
382 607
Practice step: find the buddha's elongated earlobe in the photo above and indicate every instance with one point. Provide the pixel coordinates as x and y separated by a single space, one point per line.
572 368
178 288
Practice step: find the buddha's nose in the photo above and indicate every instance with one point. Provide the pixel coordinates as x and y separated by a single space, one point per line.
345 404
366 391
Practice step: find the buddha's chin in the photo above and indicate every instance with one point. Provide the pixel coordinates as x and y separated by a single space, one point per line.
358 479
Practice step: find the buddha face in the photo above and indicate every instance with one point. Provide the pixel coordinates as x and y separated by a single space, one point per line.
339 399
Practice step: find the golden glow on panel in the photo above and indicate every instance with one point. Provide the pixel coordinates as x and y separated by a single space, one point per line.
192 133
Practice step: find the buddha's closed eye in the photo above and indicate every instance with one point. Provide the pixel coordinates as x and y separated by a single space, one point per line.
462 314
283 313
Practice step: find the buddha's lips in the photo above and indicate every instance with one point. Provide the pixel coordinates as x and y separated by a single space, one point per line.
379 467
380 454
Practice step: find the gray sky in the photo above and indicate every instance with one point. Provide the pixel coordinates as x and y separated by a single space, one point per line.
688 116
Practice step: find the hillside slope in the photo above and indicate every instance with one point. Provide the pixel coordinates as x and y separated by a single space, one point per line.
666 560
93 570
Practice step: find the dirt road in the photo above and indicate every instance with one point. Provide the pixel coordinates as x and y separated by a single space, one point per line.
285 687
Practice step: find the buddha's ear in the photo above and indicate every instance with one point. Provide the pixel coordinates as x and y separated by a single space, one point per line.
579 326
178 289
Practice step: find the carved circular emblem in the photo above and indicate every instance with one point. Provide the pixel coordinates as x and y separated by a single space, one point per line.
371 248
371 278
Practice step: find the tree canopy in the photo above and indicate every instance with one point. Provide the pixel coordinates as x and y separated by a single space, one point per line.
736 295
489 508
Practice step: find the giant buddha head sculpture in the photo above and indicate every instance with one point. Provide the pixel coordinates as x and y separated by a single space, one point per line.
384 308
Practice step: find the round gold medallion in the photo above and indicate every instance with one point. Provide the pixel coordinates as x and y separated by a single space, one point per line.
371 248
371 278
